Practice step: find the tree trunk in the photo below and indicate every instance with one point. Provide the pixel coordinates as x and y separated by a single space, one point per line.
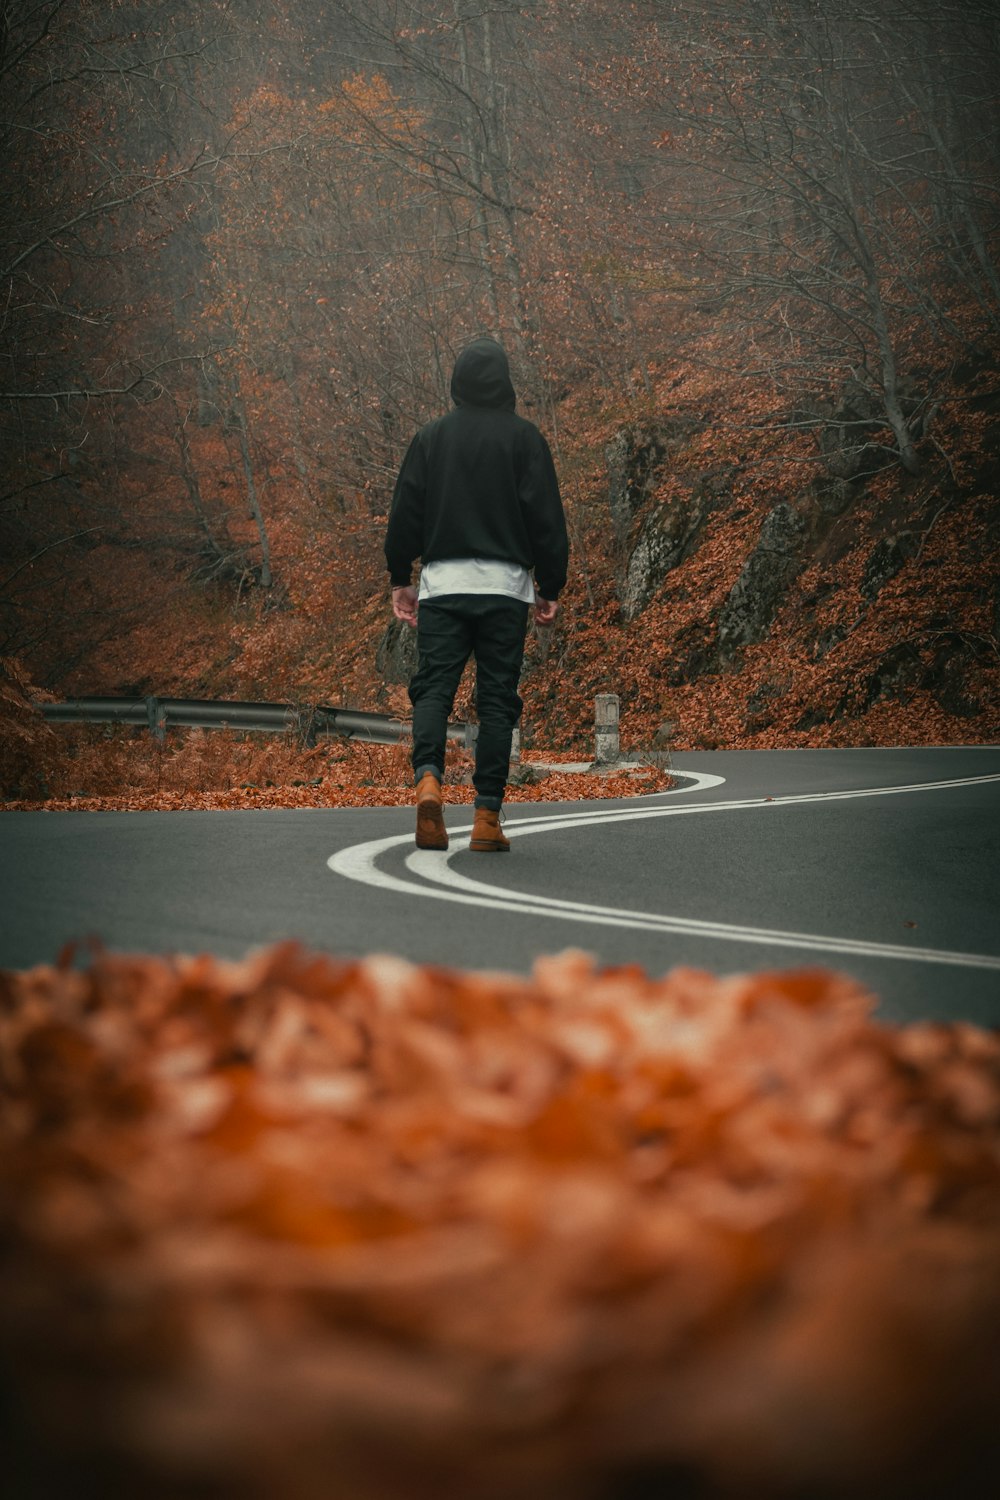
905 445
474 148
253 499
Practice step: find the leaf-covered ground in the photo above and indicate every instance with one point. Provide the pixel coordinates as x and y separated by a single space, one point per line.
363 1230
84 768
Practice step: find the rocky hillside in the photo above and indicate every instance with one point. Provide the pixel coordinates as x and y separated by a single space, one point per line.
745 573
781 581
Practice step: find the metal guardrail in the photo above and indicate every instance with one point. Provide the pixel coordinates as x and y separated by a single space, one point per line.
160 714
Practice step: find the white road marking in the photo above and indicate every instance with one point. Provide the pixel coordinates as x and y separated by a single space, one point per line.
435 879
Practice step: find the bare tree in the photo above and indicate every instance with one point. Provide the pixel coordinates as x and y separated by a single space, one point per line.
845 205
97 183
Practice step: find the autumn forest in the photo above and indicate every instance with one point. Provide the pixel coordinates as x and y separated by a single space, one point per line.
745 259
304 1225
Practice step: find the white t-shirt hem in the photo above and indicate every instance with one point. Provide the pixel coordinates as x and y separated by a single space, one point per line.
476 575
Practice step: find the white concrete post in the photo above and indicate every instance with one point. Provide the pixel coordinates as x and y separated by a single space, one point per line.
606 729
515 746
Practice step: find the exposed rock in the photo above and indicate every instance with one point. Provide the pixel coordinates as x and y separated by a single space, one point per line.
947 676
396 653
633 456
665 734
887 557
899 674
759 706
695 653
668 535
833 496
760 590
905 669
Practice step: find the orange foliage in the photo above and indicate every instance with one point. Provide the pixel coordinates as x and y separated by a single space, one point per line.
87 769
368 1231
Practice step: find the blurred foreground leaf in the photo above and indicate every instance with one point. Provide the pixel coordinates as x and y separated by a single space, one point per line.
306 1228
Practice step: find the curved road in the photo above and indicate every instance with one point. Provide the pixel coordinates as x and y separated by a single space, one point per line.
883 863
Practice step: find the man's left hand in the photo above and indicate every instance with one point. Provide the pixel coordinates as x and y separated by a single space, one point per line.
404 604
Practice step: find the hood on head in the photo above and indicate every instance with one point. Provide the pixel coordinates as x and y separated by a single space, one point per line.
482 376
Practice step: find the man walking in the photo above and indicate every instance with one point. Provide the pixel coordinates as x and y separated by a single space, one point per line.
477 500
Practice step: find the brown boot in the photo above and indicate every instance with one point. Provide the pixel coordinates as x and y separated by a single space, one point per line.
486 835
431 832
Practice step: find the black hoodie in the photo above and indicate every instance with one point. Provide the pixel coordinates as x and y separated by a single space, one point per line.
479 482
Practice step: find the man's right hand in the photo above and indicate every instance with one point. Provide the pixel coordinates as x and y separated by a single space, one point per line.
546 610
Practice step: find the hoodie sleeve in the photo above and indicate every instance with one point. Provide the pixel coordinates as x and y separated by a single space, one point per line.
404 536
546 522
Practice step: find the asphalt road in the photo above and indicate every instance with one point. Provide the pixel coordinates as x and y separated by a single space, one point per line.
881 863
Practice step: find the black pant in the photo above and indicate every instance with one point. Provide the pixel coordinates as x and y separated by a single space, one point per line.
449 631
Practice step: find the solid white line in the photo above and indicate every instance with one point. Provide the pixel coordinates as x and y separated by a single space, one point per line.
359 861
430 868
620 815
442 883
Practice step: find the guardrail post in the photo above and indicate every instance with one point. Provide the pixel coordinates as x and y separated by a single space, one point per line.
157 721
606 742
